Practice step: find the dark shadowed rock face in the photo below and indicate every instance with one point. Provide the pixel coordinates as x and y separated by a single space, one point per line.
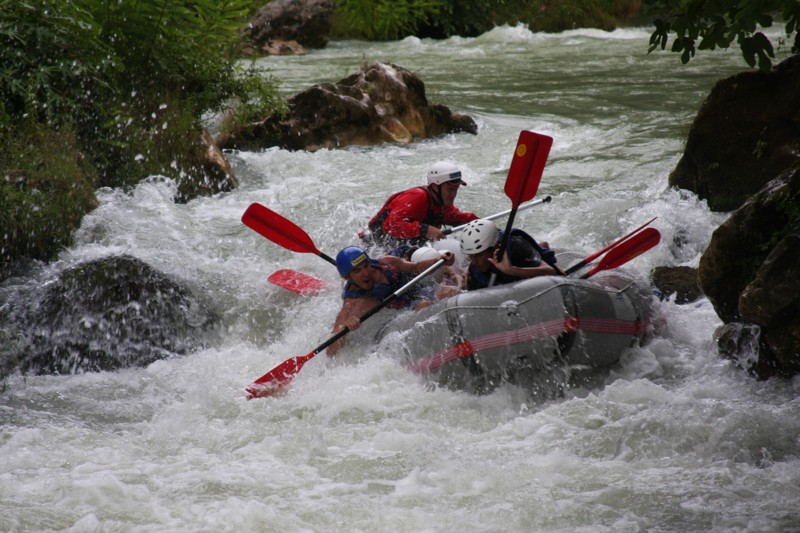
106 314
750 270
743 153
746 133
772 299
382 103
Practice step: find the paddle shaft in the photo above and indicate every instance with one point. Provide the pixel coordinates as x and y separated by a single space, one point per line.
598 253
523 207
618 256
283 373
309 285
627 250
386 301
270 382
524 177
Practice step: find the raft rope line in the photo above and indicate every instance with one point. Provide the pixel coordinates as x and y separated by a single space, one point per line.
603 283
517 336
507 338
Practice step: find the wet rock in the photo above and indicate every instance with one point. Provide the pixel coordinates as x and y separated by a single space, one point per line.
743 153
680 281
211 172
742 344
741 244
772 299
749 270
745 134
289 27
381 103
105 314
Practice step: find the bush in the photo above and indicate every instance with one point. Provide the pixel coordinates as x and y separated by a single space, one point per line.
383 20
45 189
123 86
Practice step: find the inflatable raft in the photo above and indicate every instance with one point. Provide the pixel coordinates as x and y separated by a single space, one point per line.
533 333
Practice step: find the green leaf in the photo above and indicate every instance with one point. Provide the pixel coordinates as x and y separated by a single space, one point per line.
660 36
764 63
764 20
748 51
758 49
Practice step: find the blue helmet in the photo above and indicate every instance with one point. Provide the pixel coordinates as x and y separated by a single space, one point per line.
349 258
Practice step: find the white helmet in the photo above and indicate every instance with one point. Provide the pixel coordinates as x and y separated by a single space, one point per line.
479 235
426 252
444 172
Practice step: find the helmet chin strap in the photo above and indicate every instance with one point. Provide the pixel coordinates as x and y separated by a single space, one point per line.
437 193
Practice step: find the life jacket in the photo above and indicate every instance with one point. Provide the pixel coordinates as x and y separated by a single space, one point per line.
431 218
381 291
522 251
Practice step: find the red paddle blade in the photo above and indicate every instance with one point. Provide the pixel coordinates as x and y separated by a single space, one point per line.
278 229
633 247
580 264
273 381
299 282
527 166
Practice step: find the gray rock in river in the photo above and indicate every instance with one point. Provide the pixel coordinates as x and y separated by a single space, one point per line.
105 314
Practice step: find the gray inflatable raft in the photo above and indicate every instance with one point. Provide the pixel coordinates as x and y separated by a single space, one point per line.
533 333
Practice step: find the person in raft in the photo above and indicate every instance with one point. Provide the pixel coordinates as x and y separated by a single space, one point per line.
481 240
415 216
370 281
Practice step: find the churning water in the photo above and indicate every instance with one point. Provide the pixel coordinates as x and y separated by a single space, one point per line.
675 439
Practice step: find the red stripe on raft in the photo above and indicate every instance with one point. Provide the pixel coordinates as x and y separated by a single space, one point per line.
517 336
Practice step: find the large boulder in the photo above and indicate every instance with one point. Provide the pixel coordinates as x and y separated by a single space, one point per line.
104 314
381 103
745 134
288 27
749 271
772 300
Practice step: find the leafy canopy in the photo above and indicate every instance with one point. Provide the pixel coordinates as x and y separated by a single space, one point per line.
388 19
719 23
121 72
67 58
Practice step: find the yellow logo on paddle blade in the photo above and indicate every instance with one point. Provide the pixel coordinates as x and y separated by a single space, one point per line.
521 150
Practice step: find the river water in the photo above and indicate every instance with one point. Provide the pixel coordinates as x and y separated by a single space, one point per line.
675 439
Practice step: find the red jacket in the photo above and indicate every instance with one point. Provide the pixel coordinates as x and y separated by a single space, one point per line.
406 215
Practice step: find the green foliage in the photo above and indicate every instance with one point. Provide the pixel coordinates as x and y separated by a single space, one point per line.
168 46
470 18
379 20
255 98
118 88
110 68
445 18
563 15
52 60
720 23
45 189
